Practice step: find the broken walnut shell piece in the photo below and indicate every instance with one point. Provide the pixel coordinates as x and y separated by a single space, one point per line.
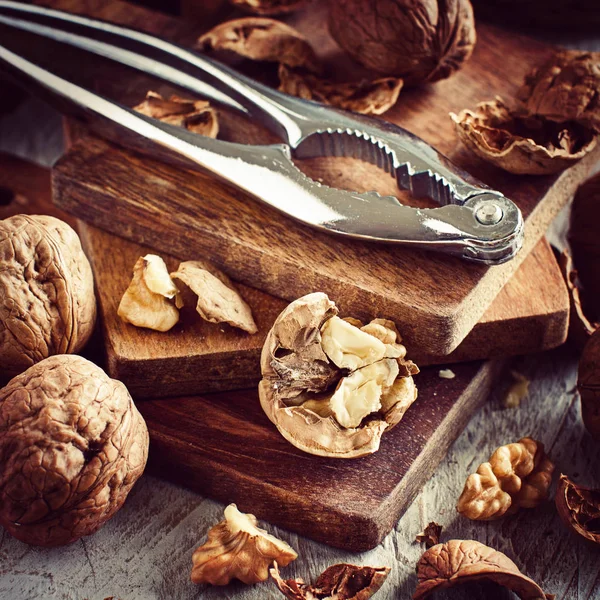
517 476
579 508
148 301
218 299
521 144
318 406
588 385
565 88
459 562
197 116
430 536
261 39
270 7
338 582
366 97
237 549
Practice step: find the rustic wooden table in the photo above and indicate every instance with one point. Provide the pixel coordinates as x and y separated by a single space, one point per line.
144 553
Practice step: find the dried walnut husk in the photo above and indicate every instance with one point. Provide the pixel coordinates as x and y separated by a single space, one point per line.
517 476
417 40
237 549
565 88
72 444
366 97
261 40
270 7
521 144
338 582
47 301
588 384
464 561
579 508
332 387
218 299
194 115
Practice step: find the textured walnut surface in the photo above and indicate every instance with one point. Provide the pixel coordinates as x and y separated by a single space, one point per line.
47 302
72 444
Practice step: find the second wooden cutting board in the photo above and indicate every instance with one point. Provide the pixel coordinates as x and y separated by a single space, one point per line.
529 315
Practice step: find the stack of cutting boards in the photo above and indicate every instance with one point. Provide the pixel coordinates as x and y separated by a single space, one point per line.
448 310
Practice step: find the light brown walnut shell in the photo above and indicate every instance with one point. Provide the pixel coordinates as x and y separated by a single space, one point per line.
416 40
464 561
330 388
47 301
338 582
237 549
261 39
565 88
72 445
524 145
517 476
270 7
194 115
366 97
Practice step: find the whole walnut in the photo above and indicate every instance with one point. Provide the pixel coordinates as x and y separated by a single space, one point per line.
47 302
417 40
72 444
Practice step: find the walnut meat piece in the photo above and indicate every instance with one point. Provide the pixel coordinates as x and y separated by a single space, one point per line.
417 40
47 301
329 386
463 561
565 88
525 145
72 444
237 549
517 476
338 582
218 299
148 301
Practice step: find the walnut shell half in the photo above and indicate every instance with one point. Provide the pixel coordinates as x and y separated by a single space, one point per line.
579 508
72 444
332 387
417 40
525 145
463 561
47 301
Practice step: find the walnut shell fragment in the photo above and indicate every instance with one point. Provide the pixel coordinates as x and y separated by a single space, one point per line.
72 445
261 39
197 116
330 387
588 385
417 40
517 476
430 536
237 549
218 299
47 301
338 582
565 88
579 508
464 561
148 301
270 7
365 97
524 145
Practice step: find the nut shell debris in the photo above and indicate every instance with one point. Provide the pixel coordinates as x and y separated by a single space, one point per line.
237 549
524 145
565 88
47 301
72 445
579 508
338 582
416 40
517 476
430 536
464 561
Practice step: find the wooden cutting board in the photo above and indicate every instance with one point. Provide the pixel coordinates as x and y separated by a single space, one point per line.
530 314
436 300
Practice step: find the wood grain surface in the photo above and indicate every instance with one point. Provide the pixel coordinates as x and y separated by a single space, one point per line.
435 299
530 314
